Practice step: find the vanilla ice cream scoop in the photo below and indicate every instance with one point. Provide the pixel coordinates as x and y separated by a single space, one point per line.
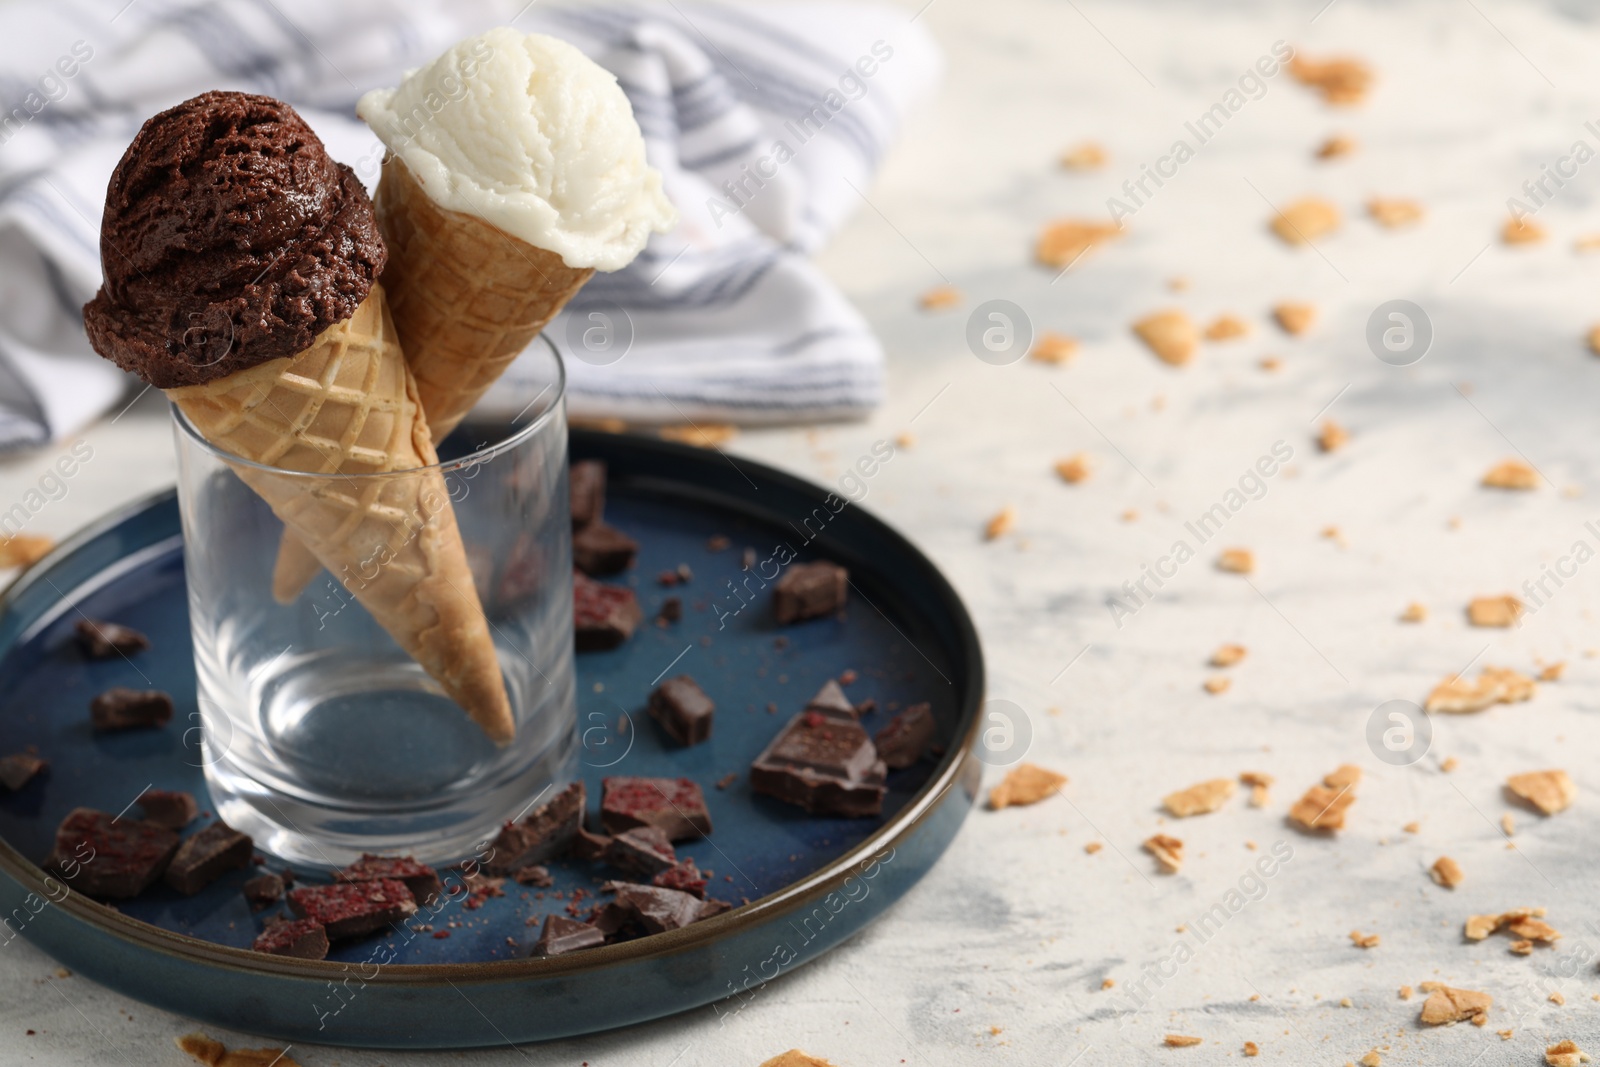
533 137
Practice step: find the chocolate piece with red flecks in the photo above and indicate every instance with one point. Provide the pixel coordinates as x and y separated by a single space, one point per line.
675 805
589 846
106 857
587 479
604 615
712 906
18 770
301 939
537 876
263 890
120 708
171 808
422 880
105 640
904 738
683 710
562 935
642 851
546 834
824 762
351 909
685 878
206 856
657 909
598 550
810 590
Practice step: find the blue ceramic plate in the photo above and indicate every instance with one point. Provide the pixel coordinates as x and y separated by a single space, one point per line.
803 884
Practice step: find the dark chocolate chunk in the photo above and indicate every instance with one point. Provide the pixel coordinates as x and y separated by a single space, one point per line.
589 846
904 739
546 834
598 549
671 611
103 640
171 808
683 710
422 880
302 939
809 590
674 805
120 708
537 876
264 890
685 878
658 909
603 615
103 856
642 851
588 481
206 856
616 922
712 906
19 769
824 762
351 909
561 935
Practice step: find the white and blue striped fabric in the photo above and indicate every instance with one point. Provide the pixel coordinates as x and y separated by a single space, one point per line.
765 122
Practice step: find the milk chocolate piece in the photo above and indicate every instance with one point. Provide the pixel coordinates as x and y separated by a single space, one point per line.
588 481
561 935
105 640
18 770
171 808
603 615
674 805
685 877
683 710
351 909
657 909
824 762
809 590
546 834
904 738
589 846
264 890
598 550
642 851
831 700
422 880
120 708
537 876
206 856
712 906
301 939
102 856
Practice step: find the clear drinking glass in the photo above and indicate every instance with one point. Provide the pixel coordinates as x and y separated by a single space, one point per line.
323 739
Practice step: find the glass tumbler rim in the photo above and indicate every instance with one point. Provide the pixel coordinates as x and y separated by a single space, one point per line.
476 457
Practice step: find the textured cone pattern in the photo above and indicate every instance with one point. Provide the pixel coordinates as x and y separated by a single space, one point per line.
348 406
467 299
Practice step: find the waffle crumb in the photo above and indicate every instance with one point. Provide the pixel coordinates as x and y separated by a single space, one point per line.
1447 872
1170 334
1557 999
939 298
1511 474
1064 241
1201 799
1332 437
1337 146
1499 611
1167 850
1227 655
1002 523
1371 1059
1414 612
1025 784
1446 1005
215 1054
1521 232
1341 80
1252 1049
1074 469
1181 1040
1237 561
24 550
1405 992
1093 846
1549 791
1552 672
1412 827
1085 155
1052 347
1361 940
1448 764
1508 824
1294 319
1217 685
1226 328
1346 774
1323 808
1495 685
1305 220
1565 1054
1107 983
1394 213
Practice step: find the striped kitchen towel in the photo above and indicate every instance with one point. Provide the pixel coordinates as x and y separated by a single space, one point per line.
767 125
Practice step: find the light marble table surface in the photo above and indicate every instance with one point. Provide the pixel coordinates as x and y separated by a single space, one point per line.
1000 954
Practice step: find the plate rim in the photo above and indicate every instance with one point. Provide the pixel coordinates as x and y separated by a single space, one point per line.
953 768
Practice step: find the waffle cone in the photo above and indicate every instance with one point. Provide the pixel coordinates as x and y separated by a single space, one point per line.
346 406
467 298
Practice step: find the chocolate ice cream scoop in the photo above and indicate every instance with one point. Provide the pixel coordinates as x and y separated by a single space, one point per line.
229 239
